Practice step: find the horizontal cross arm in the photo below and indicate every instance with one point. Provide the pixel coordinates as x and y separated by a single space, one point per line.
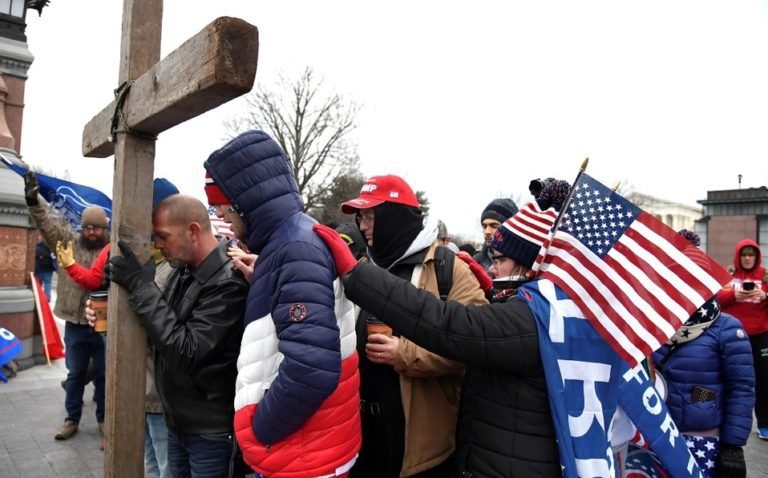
211 68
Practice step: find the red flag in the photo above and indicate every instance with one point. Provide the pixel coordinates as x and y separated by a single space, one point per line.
631 274
52 343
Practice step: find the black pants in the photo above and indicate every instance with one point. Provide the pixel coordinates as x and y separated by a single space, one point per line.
760 357
383 448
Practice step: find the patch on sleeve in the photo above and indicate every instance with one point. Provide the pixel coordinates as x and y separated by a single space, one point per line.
297 312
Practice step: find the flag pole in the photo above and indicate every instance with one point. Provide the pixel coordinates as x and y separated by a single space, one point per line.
36 294
561 213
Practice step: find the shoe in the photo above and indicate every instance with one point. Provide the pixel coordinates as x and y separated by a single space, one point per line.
762 433
67 430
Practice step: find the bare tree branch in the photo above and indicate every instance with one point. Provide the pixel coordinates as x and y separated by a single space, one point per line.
310 126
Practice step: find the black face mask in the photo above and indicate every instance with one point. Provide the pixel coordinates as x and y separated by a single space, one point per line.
395 227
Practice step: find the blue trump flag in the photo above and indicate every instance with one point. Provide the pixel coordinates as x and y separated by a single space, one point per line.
10 347
587 381
66 197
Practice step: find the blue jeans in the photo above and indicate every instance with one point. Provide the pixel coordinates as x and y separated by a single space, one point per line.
156 447
45 281
213 455
81 343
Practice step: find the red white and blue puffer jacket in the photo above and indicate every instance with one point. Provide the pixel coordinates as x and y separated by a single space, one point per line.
297 399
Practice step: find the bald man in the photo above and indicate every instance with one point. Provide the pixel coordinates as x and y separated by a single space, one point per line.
195 325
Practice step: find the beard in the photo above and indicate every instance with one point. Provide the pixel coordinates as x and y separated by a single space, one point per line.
93 243
182 258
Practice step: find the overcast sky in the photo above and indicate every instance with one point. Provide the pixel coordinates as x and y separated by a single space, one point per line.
467 101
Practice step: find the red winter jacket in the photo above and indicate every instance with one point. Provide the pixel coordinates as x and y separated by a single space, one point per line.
753 315
90 279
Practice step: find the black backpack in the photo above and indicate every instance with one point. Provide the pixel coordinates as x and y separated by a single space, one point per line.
444 259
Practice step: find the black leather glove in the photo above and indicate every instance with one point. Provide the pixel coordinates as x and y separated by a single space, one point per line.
31 188
126 270
730 462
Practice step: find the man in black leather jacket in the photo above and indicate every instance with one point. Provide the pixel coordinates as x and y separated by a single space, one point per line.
195 326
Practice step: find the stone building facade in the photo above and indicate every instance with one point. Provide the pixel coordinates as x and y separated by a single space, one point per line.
732 215
673 214
17 233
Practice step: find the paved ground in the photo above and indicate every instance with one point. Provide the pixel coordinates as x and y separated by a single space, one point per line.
31 410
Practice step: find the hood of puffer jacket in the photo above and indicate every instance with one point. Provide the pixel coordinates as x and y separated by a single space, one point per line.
254 173
737 255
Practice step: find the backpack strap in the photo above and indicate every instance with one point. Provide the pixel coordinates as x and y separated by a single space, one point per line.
444 259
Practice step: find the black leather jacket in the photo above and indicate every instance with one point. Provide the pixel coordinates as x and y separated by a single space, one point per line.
197 340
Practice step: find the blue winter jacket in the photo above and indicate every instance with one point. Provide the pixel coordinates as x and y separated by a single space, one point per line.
297 401
719 363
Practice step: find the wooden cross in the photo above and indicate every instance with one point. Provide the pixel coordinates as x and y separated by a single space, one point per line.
211 68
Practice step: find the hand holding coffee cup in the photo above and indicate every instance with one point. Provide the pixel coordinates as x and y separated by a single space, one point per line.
382 349
375 326
89 314
98 304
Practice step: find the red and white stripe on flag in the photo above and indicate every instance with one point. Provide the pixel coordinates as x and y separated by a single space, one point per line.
531 223
220 227
636 279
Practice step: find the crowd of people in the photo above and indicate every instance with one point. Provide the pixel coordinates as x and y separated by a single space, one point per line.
379 348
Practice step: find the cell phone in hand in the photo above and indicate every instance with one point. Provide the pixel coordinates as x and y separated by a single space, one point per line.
748 286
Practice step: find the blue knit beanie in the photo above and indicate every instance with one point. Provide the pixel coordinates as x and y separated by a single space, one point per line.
161 189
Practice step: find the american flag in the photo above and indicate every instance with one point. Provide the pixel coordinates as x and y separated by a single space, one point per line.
636 279
220 227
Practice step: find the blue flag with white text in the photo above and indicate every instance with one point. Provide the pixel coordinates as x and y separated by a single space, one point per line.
587 381
10 347
68 198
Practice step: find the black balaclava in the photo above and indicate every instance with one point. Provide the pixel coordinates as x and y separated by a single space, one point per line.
395 227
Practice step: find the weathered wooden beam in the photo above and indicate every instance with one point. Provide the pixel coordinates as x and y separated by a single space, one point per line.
126 362
211 68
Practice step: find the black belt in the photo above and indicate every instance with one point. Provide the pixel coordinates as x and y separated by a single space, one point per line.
379 408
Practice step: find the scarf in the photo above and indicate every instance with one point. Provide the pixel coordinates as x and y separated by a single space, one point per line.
395 226
697 323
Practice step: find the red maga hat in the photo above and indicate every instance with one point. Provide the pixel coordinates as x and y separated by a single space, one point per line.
381 189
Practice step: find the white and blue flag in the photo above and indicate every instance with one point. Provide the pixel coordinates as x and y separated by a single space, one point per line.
69 198
587 380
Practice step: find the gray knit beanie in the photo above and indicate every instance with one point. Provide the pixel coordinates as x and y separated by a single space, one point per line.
500 209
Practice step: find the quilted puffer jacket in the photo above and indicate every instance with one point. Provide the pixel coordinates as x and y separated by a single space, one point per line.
710 381
297 401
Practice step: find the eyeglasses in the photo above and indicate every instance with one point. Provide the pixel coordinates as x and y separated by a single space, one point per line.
365 217
233 209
